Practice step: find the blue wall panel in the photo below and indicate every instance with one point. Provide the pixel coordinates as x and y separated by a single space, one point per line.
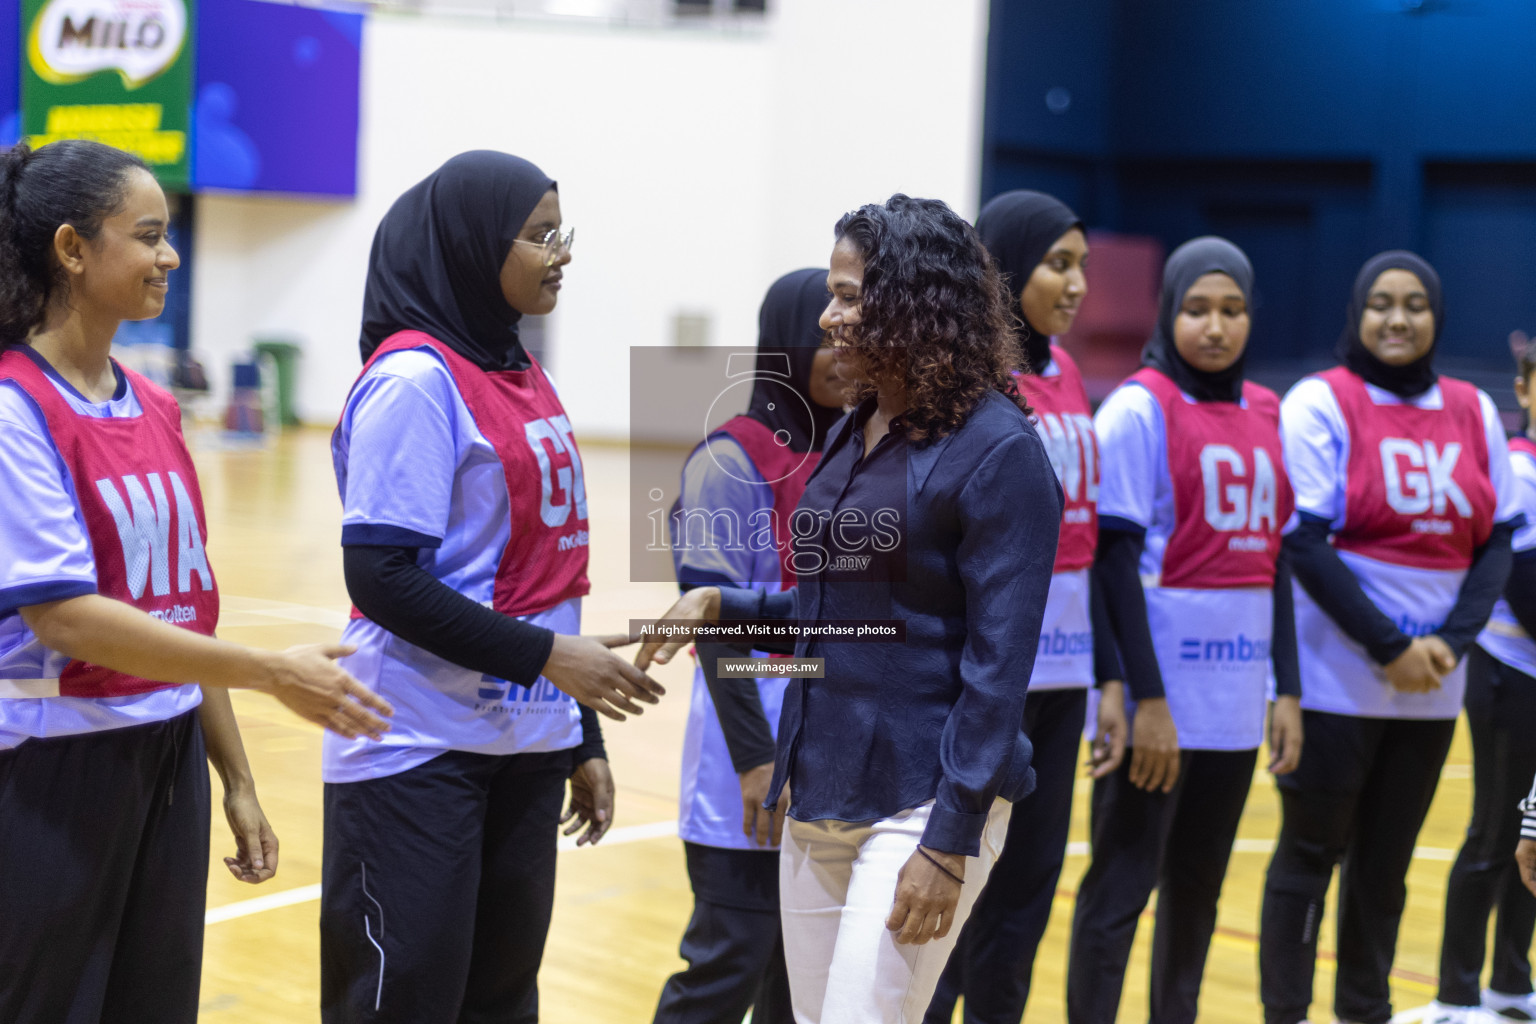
1313 132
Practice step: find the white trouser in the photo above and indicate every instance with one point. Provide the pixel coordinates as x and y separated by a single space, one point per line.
837 882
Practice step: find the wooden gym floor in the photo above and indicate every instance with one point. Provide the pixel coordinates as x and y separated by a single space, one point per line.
274 521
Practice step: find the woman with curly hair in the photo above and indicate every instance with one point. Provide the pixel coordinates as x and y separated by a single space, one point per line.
934 504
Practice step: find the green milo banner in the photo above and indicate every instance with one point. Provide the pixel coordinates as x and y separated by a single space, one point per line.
117 71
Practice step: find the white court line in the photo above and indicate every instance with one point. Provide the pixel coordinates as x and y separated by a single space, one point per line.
254 611
271 901
309 893
1418 1013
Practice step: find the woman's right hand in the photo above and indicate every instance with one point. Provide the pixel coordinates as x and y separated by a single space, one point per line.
1415 670
585 668
701 604
1154 746
757 821
308 682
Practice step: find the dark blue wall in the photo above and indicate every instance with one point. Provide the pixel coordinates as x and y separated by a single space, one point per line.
1312 132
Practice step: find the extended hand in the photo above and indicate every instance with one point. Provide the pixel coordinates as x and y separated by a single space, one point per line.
701 604
586 669
307 680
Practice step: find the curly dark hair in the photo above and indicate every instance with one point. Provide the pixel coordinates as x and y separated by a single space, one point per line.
934 313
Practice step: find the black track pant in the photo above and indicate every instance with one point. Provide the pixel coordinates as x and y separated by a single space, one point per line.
994 959
104 876
734 945
439 883
1177 843
1358 799
1501 709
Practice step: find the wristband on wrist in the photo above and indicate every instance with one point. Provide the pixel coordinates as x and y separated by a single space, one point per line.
930 858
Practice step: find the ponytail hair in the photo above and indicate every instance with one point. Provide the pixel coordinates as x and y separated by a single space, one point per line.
74 182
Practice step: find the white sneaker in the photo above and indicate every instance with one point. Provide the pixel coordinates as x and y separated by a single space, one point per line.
1507 1007
1442 1013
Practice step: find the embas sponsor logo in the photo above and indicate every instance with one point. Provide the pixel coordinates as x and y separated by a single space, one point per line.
1411 626
139 39
1217 650
1059 643
499 691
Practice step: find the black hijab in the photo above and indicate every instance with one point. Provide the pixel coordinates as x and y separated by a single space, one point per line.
1408 380
787 327
1018 228
437 256
1186 265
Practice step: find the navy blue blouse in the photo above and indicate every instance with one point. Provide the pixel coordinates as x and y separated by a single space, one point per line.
960 535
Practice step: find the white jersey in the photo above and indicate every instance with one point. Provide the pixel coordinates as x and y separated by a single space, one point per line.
1212 644
415 471
1337 675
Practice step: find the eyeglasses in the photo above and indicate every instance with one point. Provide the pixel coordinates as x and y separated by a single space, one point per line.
553 243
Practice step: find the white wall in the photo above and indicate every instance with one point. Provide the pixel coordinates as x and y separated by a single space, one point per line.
695 164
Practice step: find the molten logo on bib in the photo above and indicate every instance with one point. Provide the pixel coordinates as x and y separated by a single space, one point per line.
73 39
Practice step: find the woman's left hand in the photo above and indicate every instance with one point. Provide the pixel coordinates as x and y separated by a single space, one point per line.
1441 655
926 898
591 801
255 858
1285 735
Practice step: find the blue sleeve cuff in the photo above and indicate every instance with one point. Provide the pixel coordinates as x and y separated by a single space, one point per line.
954 831
27 594
1120 525
688 578
383 535
740 603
